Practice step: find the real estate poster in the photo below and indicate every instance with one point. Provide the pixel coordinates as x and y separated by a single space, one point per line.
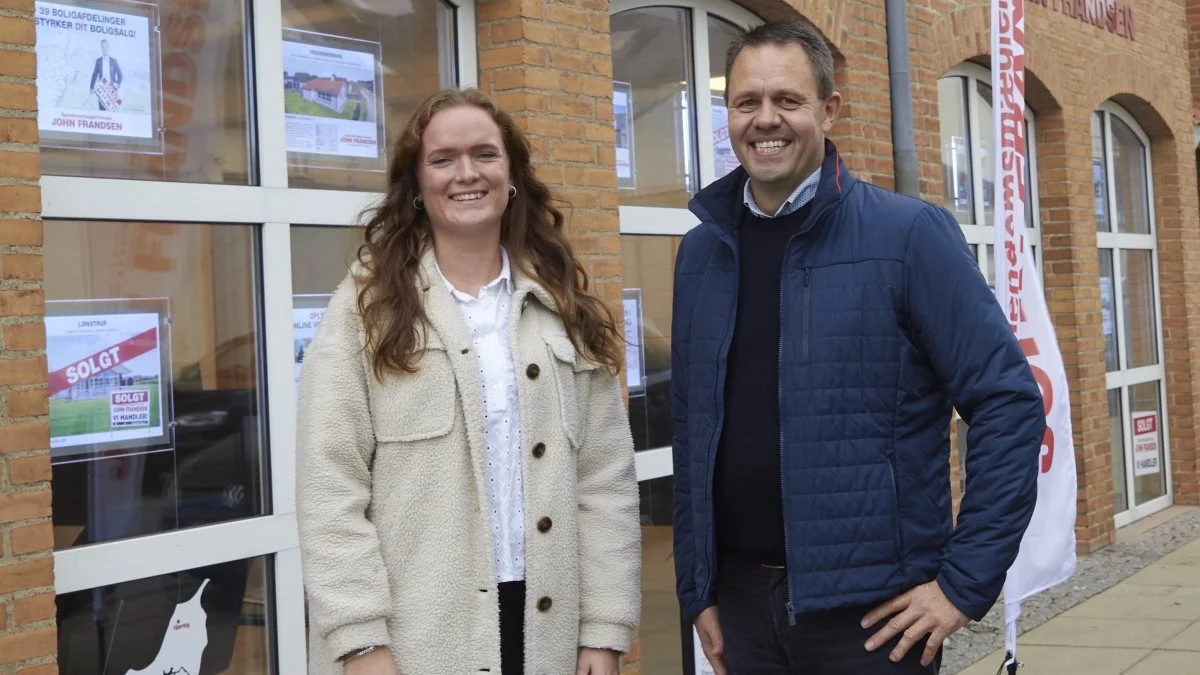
635 369
332 96
1145 444
96 72
623 124
307 313
724 160
106 382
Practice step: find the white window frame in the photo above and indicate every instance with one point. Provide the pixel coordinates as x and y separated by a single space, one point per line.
274 208
652 220
1124 377
976 234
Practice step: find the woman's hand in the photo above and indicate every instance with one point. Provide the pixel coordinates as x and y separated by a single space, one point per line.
378 662
598 662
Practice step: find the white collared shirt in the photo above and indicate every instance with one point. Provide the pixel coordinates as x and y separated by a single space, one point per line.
105 71
487 320
802 195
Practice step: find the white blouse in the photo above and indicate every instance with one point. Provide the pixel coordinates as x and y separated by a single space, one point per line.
487 319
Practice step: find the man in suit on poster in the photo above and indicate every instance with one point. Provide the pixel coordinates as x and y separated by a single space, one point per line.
107 70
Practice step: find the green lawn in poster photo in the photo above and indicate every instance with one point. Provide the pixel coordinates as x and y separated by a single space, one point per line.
294 104
72 418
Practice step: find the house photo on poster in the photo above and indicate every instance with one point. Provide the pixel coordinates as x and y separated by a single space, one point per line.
109 366
98 75
333 99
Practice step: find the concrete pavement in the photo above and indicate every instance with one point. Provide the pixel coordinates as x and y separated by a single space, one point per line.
1146 624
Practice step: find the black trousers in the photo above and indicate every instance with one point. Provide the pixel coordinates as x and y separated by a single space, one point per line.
512 627
752 610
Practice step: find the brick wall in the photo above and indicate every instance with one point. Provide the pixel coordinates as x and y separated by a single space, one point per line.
27 630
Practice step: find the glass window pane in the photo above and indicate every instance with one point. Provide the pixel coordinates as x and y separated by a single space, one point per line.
1141 322
353 75
158 94
652 108
983 141
1108 311
146 626
1130 179
1116 441
153 347
1100 174
989 269
649 264
956 151
659 628
1031 187
1145 415
720 34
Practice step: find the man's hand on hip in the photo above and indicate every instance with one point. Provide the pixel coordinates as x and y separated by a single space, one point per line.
921 611
710 639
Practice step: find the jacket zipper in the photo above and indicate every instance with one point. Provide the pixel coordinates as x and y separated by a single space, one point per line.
896 503
779 403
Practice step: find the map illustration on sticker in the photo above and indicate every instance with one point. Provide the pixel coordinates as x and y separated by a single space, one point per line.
184 642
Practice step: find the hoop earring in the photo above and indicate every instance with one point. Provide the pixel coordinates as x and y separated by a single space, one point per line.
418 204
512 191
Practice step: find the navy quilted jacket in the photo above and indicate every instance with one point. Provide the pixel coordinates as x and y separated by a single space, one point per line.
886 324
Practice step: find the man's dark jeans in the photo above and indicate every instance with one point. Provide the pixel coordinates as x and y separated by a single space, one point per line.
751 606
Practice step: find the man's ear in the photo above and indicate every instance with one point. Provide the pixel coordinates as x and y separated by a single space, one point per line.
833 106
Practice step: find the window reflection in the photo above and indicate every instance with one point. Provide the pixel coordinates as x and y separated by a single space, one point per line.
720 35
181 110
956 151
147 627
649 264
354 72
153 350
653 108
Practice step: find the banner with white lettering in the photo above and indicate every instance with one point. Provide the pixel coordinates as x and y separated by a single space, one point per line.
97 73
1047 554
105 380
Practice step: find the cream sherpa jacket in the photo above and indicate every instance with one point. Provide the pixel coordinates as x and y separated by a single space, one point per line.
394 528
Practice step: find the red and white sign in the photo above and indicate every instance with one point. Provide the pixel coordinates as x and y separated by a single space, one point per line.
105 379
1047 555
1145 444
129 407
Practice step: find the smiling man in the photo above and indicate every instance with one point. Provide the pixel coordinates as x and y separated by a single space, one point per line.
823 330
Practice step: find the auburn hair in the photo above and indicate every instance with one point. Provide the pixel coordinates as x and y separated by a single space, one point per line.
531 230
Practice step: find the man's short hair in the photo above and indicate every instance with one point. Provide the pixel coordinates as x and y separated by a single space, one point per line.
784 34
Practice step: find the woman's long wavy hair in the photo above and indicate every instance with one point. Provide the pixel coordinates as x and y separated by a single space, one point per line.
397 234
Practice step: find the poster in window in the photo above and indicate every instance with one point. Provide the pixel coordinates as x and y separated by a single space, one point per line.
98 75
724 159
108 378
1145 443
307 313
635 367
623 122
333 100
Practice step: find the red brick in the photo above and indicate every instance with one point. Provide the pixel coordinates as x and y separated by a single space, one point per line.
24 337
16 30
20 232
27 403
19 198
21 302
15 437
27 574
18 63
26 470
23 646
18 5
20 165
18 130
17 97
48 669
34 608
24 266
